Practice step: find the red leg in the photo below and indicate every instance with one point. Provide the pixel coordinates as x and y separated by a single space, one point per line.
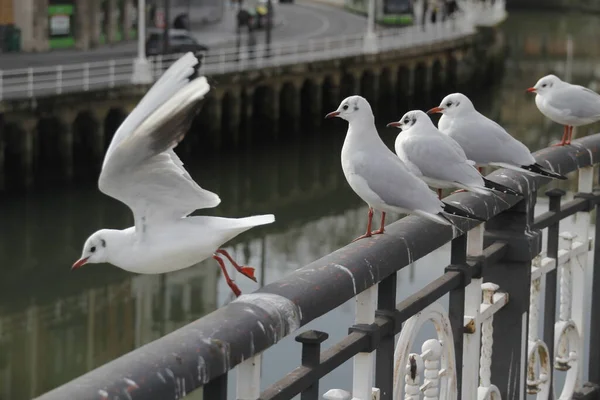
236 290
480 169
244 270
439 193
381 227
369 221
570 135
563 141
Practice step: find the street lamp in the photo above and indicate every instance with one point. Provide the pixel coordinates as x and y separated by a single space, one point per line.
370 40
141 68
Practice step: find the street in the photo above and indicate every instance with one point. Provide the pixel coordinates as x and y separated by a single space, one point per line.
293 22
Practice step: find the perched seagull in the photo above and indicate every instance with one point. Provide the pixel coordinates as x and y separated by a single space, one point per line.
483 140
378 176
437 159
566 104
142 170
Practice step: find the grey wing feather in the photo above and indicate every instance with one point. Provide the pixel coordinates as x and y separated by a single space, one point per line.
390 179
485 141
576 101
173 80
440 157
144 172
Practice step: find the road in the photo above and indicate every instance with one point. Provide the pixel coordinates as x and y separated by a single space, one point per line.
300 21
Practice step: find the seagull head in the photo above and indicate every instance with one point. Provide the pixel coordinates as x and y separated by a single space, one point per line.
545 85
453 105
353 108
414 118
95 249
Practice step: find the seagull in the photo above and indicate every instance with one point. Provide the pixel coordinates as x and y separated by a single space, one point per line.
141 170
483 140
379 177
566 104
437 159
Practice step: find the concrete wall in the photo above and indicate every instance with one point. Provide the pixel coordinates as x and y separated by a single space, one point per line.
580 5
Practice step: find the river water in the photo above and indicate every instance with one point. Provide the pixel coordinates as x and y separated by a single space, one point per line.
56 324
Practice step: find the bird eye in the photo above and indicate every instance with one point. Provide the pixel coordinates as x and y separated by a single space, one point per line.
448 104
345 106
544 85
406 120
93 249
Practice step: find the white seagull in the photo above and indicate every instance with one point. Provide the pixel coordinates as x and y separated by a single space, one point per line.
437 159
483 140
566 104
378 176
141 170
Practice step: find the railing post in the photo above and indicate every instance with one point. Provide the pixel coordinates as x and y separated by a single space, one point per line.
111 73
579 270
384 368
248 378
59 79
30 82
1 85
554 196
86 76
216 389
468 384
594 367
456 309
311 358
513 274
362 379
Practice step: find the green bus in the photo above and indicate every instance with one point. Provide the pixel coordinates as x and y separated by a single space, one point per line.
388 12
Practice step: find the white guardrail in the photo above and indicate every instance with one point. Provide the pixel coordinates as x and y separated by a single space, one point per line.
55 80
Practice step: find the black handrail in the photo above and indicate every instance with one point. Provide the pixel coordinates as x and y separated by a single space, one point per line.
203 351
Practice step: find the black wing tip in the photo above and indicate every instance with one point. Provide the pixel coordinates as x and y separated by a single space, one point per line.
501 188
452 210
538 169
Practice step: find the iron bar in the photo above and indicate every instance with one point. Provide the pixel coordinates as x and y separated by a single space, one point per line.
216 389
594 357
555 196
456 308
311 354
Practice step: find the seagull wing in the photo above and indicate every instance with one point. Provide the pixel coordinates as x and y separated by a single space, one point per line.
576 101
439 157
143 171
174 79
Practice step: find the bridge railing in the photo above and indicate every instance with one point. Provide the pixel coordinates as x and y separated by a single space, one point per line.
496 339
58 79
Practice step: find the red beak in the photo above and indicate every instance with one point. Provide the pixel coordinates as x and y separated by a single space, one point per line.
530 90
435 110
332 114
393 124
79 263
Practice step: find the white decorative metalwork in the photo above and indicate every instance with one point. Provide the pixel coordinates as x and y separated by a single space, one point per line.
538 356
437 358
486 390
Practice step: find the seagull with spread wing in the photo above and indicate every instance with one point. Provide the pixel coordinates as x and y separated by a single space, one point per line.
141 170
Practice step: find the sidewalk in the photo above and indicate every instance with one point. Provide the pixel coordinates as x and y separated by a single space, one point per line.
213 35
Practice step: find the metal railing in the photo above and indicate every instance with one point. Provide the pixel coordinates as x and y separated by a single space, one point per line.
58 79
489 343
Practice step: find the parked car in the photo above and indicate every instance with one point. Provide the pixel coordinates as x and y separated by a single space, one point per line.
180 41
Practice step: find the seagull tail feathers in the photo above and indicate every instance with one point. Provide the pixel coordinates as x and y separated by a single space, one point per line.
439 218
257 220
539 170
458 212
500 188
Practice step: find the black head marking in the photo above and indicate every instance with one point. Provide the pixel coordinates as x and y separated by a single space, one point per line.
355 107
103 242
